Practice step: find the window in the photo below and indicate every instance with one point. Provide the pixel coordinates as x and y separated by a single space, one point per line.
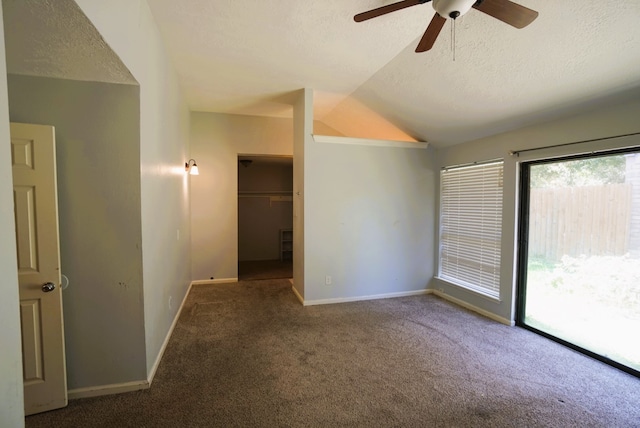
471 227
579 272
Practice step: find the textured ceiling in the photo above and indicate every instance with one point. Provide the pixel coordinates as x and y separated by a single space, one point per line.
244 56
53 38
248 56
241 56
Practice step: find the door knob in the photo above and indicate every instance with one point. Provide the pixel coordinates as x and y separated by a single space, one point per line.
48 286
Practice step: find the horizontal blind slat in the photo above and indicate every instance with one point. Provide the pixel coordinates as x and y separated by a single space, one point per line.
471 226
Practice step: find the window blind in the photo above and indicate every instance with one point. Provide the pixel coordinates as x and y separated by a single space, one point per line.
471 227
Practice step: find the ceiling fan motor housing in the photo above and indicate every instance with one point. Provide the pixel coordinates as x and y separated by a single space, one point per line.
452 8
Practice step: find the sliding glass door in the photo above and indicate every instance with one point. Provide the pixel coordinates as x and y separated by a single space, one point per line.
579 263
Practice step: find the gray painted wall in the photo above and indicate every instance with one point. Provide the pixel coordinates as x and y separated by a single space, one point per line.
216 141
157 277
129 29
11 389
369 220
369 210
97 134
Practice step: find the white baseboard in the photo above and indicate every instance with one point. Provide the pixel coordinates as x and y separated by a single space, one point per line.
152 373
300 298
473 308
360 298
118 388
438 293
114 388
213 281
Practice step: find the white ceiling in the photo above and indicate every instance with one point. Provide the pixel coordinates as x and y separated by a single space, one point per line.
244 56
247 56
53 38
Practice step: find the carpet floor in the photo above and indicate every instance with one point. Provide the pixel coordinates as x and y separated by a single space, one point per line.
249 355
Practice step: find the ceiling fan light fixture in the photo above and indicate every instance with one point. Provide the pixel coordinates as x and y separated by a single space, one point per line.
503 10
452 8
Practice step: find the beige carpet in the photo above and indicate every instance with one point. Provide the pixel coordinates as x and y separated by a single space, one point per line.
249 355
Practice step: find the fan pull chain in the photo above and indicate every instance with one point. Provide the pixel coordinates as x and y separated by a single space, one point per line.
453 38
453 22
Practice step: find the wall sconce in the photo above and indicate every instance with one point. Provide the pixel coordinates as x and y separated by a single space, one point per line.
192 169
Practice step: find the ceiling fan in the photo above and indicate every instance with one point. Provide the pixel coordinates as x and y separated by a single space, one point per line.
504 10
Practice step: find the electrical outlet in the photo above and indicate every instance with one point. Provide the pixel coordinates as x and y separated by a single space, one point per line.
170 302
177 234
328 280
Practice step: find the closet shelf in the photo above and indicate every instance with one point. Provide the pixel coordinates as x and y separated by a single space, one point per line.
274 196
286 245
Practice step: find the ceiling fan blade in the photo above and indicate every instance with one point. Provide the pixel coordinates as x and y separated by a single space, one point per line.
430 36
374 13
508 12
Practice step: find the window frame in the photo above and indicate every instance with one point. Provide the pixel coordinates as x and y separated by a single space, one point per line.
489 227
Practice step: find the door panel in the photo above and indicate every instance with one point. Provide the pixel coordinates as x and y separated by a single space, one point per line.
31 342
24 206
37 241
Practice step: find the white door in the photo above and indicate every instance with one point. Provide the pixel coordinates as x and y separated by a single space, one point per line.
36 215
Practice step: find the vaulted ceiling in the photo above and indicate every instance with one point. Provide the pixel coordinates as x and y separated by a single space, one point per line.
245 56
53 38
248 56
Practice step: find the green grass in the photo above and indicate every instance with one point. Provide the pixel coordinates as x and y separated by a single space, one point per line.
591 301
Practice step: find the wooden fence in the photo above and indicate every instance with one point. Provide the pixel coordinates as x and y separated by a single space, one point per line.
574 221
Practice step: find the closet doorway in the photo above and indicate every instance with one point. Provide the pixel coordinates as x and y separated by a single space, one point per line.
265 217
